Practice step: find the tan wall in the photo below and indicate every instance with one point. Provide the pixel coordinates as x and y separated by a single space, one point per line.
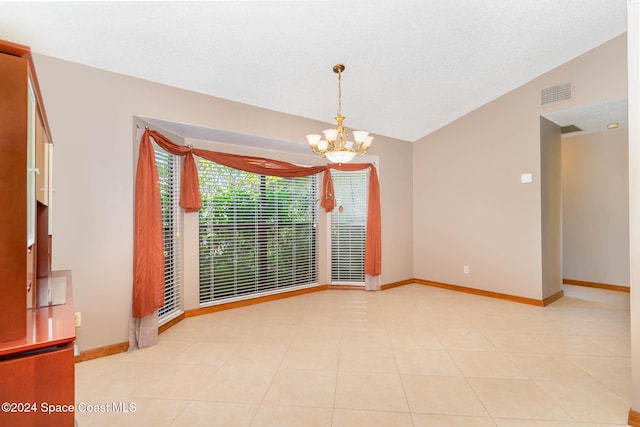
595 207
551 199
633 20
91 116
469 205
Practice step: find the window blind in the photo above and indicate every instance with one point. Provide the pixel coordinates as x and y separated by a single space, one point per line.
168 167
257 233
348 226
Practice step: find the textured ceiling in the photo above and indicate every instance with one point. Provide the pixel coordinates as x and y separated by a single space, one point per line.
411 66
594 117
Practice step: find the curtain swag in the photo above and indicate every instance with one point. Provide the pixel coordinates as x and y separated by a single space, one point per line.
148 280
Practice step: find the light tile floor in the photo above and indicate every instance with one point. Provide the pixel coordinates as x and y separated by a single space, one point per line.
408 356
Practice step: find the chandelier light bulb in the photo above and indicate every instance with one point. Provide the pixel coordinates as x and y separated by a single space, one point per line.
340 156
360 135
313 139
331 134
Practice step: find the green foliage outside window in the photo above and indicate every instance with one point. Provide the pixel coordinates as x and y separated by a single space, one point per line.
257 232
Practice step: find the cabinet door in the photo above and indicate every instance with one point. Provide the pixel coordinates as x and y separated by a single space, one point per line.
31 166
38 384
31 276
42 162
49 148
13 179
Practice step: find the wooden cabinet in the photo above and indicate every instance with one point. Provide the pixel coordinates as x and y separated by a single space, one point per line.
36 341
25 143
38 370
44 384
14 77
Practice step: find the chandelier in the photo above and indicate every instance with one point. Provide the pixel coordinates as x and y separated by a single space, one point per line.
336 145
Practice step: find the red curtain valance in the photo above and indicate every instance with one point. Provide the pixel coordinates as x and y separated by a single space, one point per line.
148 280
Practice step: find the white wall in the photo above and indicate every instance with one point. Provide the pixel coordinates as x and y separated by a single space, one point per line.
595 207
91 113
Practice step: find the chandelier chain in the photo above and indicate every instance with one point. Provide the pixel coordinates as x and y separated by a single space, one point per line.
339 92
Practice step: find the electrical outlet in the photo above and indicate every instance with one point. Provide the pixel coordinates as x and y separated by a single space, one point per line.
77 319
466 269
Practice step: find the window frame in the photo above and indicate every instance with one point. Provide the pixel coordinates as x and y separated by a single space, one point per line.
261 274
355 244
172 237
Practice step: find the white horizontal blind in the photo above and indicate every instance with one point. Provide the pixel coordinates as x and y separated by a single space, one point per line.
348 226
257 233
168 166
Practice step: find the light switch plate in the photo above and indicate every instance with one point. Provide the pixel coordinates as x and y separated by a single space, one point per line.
526 178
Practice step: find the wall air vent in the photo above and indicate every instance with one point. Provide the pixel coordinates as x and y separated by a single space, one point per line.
569 129
553 94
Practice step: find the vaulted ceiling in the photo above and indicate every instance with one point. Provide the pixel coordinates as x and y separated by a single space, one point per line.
411 66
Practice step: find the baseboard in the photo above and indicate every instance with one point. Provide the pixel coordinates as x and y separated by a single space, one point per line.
618 288
345 287
252 301
96 353
170 323
634 418
396 284
552 298
491 294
